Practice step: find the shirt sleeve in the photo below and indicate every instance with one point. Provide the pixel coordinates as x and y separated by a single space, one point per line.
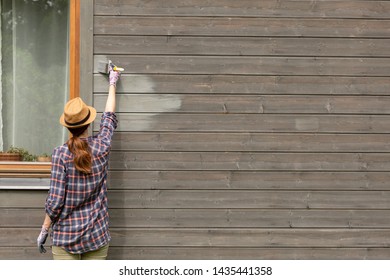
56 197
108 124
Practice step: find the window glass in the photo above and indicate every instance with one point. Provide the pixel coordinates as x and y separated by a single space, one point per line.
34 73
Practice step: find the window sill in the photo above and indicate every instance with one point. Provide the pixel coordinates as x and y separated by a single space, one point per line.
20 169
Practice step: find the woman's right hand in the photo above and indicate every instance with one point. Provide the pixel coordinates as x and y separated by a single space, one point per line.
114 75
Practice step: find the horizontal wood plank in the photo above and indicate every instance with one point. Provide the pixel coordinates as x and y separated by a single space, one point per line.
247 8
212 253
245 218
28 252
254 142
237 65
23 199
220 199
169 122
164 199
253 238
240 27
230 84
248 238
238 46
241 180
250 161
249 104
239 253
219 218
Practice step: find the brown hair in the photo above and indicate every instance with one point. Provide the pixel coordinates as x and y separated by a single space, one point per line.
80 150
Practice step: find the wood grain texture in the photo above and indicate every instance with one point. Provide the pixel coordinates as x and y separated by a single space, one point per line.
243 104
212 253
250 161
231 84
247 8
251 142
221 199
170 122
233 65
241 46
244 180
239 253
216 199
241 27
219 218
245 238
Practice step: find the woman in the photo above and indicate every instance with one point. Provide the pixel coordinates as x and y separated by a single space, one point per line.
76 206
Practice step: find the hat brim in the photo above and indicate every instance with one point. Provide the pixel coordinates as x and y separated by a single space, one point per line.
92 117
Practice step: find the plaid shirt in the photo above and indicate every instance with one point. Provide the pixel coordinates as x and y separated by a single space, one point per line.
77 203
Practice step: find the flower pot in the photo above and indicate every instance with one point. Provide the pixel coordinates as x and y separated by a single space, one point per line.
44 159
10 157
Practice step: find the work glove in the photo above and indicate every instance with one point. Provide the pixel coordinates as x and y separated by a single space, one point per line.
113 75
42 239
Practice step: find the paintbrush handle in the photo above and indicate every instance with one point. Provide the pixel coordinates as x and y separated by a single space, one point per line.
118 69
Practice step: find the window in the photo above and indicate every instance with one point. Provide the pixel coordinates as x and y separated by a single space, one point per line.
34 73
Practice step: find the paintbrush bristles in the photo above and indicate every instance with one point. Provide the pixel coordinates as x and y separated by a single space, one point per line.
103 67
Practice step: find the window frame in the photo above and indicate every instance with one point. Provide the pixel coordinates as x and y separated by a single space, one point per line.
20 169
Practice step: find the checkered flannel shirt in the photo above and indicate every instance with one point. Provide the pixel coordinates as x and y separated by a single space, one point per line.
77 203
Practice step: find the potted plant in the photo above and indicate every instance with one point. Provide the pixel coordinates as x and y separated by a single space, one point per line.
44 158
12 154
17 154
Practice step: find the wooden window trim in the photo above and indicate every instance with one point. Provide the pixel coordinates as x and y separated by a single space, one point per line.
74 49
42 170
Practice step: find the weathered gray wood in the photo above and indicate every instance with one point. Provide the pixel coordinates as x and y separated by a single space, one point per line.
250 199
222 199
249 218
250 161
241 180
231 84
247 238
226 26
219 218
281 104
256 142
251 123
23 199
86 50
17 217
29 252
212 253
253 238
222 65
264 8
239 253
234 46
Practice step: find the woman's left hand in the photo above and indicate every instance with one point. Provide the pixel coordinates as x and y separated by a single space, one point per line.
42 239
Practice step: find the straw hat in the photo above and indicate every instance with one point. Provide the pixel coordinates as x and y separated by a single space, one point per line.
77 114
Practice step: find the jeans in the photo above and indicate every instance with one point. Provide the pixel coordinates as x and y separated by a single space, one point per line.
61 254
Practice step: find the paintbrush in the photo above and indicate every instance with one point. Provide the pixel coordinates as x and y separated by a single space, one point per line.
103 67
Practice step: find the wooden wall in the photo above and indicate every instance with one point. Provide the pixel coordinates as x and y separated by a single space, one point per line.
248 130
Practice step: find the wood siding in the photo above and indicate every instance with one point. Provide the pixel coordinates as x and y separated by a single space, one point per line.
247 130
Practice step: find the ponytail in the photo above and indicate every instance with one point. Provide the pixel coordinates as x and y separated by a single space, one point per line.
80 150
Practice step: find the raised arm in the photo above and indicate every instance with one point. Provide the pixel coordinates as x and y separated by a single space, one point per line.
114 77
110 104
